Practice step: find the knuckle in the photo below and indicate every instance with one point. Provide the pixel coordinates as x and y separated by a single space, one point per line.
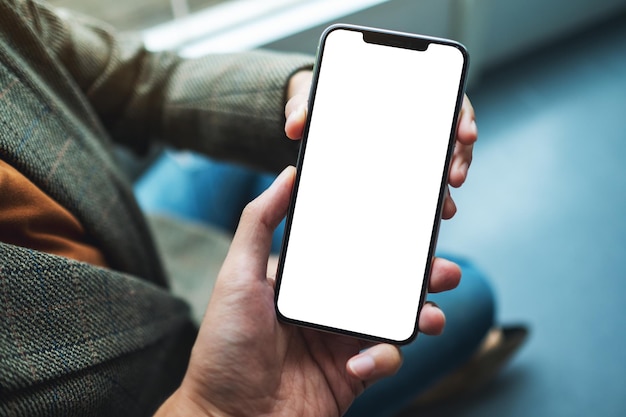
252 210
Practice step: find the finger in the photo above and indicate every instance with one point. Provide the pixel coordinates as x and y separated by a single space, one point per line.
445 275
375 363
296 107
431 320
467 131
466 136
461 161
251 244
295 112
299 83
272 266
295 102
449 207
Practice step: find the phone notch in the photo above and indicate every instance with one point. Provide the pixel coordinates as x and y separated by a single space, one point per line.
391 39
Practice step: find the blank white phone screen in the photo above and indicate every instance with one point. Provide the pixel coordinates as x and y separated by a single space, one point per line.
369 186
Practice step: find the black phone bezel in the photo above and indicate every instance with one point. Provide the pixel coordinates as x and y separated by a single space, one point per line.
392 39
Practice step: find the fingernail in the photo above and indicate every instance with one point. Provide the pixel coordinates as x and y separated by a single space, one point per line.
362 366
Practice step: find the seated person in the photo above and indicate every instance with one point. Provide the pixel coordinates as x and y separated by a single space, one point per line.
89 326
202 190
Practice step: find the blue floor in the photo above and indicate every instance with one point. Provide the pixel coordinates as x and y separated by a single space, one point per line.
544 214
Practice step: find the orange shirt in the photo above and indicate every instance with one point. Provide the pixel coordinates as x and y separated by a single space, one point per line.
31 219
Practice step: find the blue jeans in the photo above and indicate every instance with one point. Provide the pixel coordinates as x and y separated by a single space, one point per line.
196 188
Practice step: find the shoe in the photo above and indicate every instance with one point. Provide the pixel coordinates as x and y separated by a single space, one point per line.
499 346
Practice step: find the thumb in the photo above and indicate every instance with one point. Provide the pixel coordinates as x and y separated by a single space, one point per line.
377 362
251 244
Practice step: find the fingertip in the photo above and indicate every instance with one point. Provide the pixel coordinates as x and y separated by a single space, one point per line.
282 184
262 215
449 208
361 366
473 128
376 362
432 320
294 124
287 175
468 130
445 276
448 265
455 177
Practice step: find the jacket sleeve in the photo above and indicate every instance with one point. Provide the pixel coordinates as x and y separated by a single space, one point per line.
230 106
81 340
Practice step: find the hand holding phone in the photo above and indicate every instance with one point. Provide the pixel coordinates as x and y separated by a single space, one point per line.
363 223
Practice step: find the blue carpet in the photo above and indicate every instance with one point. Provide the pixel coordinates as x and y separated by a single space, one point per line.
544 214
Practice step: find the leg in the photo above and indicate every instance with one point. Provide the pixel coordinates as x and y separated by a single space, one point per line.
195 188
469 313
199 189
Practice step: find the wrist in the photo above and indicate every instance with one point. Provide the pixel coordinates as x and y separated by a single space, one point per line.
182 404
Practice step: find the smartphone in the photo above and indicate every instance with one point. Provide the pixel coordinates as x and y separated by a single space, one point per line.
365 211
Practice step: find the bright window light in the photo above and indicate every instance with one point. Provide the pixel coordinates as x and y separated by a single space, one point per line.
245 24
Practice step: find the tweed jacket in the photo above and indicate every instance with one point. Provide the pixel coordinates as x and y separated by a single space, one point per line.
76 339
